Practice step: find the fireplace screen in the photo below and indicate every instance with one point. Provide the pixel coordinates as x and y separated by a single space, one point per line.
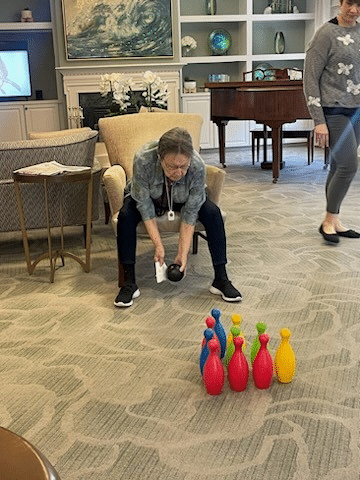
108 29
95 106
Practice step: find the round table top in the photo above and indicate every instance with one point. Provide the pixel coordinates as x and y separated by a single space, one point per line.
66 177
19 460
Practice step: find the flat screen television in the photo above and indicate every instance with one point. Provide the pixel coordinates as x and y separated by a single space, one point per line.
14 71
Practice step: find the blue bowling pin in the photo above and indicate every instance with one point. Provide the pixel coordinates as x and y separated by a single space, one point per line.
208 334
219 330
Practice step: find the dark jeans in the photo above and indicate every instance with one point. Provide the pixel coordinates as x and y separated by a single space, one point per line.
344 133
209 215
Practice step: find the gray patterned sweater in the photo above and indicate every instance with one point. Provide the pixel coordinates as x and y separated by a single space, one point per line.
332 69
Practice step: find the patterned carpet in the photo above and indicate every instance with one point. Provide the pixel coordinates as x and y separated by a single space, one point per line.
113 394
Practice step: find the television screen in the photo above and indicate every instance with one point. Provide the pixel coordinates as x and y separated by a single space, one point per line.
14 73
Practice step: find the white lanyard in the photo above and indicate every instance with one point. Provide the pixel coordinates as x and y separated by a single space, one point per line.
171 214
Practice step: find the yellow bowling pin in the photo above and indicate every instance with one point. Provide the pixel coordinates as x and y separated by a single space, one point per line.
285 358
236 320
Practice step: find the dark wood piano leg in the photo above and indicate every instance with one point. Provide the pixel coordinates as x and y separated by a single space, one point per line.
265 164
221 131
276 146
265 142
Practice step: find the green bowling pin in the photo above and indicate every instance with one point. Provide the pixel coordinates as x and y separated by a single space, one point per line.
260 327
235 332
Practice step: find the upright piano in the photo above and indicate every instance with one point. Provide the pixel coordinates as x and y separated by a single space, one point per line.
272 103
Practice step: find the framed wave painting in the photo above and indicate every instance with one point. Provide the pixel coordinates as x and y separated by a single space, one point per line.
117 28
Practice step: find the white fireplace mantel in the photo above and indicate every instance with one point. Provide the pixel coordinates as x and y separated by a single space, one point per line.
86 79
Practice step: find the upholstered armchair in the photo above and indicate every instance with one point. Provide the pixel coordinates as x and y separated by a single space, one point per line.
123 136
75 149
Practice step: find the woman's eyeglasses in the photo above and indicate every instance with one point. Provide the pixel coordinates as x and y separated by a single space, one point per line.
174 168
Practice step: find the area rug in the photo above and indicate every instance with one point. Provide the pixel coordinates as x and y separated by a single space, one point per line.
116 394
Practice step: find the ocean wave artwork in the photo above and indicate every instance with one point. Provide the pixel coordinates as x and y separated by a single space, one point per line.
118 28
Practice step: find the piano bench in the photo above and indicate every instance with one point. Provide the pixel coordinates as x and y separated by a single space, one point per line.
257 135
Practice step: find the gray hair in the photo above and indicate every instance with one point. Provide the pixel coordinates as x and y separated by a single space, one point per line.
176 140
352 2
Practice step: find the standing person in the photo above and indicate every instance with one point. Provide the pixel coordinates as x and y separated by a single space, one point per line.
169 176
332 91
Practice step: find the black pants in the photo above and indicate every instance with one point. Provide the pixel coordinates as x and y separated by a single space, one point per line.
209 215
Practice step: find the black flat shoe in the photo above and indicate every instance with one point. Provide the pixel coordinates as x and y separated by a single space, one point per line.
329 237
349 234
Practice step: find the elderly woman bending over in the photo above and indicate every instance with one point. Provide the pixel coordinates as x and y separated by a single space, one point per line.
168 177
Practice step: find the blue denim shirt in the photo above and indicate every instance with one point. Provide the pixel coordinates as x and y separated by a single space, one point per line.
148 179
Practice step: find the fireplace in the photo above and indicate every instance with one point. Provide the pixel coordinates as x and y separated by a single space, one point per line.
81 87
94 106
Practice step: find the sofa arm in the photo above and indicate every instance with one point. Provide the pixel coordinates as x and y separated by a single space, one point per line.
115 182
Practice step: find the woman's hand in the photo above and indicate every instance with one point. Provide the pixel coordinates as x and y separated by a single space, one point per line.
321 133
182 261
159 255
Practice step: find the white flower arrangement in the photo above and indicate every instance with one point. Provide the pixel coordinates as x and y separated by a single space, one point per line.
188 42
118 87
123 90
156 91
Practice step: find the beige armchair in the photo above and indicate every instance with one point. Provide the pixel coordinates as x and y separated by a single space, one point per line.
123 136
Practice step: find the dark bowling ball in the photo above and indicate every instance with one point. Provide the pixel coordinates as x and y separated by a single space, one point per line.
173 273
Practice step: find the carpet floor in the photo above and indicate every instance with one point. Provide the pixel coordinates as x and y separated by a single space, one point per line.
116 394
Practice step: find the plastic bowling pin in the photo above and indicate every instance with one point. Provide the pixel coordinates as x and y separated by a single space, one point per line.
210 323
219 330
208 335
236 320
261 328
238 369
263 368
235 332
285 358
214 374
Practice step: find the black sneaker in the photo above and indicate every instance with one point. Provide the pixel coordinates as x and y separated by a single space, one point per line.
126 295
226 289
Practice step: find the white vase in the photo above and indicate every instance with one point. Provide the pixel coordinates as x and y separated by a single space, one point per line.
189 86
187 52
279 42
210 7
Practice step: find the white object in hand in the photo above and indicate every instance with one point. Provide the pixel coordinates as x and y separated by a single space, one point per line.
160 272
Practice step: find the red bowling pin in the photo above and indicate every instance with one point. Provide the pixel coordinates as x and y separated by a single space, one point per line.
213 374
263 367
210 323
238 369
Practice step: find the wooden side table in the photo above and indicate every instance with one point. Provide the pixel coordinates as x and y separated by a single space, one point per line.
53 255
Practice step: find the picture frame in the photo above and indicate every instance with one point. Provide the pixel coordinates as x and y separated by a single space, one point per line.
103 29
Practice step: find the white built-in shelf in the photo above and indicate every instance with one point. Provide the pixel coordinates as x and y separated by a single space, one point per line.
270 57
253 41
294 17
212 18
26 26
214 59
283 17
